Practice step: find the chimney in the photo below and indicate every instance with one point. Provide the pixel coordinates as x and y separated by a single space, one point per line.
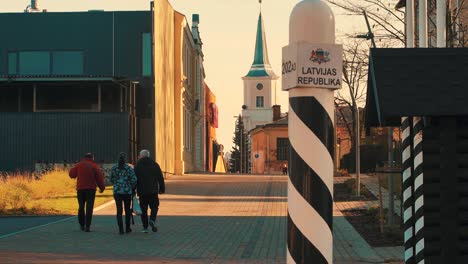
34 4
195 32
276 112
195 20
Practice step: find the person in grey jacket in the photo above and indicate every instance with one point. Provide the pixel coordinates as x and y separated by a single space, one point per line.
124 180
150 183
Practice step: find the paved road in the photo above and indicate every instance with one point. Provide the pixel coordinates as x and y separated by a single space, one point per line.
13 224
203 219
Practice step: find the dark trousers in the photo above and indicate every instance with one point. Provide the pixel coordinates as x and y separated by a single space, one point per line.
151 200
125 199
85 200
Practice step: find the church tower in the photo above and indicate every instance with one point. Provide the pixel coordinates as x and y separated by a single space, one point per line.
259 85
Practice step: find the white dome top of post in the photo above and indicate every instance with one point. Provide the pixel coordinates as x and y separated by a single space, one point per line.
312 21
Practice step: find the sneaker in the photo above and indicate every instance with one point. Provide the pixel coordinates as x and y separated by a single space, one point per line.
82 228
145 230
128 230
153 226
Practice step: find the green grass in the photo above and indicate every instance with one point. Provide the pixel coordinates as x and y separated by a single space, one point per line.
53 194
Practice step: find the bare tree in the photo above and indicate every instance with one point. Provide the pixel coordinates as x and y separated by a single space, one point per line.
387 22
355 63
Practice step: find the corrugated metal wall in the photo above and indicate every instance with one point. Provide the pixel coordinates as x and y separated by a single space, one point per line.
26 138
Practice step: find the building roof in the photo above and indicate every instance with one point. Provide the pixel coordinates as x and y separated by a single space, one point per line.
261 65
283 122
56 78
416 82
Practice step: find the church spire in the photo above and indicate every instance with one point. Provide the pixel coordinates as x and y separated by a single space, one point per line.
261 65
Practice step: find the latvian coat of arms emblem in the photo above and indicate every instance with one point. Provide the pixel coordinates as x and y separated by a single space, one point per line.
320 56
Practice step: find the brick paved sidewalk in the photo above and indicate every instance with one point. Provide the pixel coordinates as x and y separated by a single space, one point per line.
371 183
203 219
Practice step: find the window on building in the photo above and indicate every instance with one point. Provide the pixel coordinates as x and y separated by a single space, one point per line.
260 102
9 99
147 69
12 63
282 148
187 129
46 63
67 63
34 62
81 97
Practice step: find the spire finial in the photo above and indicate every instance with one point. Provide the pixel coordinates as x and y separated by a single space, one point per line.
260 2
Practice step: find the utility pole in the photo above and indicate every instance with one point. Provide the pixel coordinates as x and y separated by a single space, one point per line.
369 36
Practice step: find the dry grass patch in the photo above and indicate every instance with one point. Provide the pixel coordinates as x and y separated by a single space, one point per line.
54 193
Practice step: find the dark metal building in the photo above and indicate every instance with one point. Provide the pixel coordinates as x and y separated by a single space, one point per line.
72 83
429 84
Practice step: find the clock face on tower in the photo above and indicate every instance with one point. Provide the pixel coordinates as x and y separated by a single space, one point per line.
259 86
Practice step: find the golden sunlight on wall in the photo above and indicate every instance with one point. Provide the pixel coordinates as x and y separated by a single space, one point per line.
264 143
164 84
179 24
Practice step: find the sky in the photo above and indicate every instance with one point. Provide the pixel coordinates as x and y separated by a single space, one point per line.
228 29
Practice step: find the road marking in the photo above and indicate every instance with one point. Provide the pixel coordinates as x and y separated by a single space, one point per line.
55 222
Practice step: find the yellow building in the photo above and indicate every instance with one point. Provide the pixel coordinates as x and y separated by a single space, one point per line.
211 111
164 86
179 92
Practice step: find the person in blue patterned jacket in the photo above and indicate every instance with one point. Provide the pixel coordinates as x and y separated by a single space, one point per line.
124 179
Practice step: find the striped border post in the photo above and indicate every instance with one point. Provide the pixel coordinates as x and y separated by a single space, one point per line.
408 201
312 70
418 193
310 185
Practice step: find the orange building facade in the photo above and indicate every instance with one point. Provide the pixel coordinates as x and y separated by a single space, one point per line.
211 124
270 147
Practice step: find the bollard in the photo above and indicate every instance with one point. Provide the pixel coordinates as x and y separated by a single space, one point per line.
312 69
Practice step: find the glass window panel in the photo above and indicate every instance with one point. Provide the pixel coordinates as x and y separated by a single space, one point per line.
146 55
260 102
12 63
79 97
282 148
68 63
34 63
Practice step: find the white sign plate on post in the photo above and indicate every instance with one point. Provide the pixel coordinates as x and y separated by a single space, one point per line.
312 65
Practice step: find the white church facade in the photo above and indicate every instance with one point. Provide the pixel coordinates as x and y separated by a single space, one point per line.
260 85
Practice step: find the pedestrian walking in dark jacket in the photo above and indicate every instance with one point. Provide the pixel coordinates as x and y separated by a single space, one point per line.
88 176
124 180
150 183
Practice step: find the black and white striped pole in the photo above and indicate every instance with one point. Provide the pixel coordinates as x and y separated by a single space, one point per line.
408 181
312 68
418 241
